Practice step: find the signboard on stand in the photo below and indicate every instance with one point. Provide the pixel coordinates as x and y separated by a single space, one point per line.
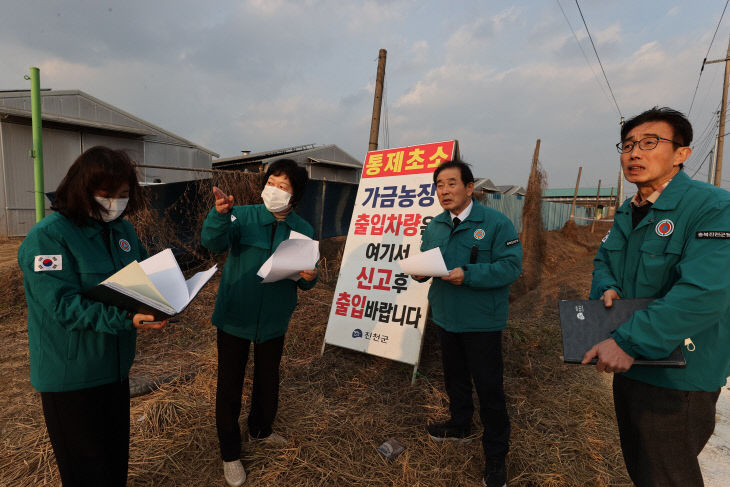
376 308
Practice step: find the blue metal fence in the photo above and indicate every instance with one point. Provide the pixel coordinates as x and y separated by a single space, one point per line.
554 215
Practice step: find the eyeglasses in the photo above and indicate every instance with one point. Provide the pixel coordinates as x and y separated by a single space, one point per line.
647 143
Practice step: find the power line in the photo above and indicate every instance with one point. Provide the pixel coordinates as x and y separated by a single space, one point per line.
700 166
702 68
716 115
585 56
599 59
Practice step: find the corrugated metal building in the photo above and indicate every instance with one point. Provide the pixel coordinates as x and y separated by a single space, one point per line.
323 163
74 121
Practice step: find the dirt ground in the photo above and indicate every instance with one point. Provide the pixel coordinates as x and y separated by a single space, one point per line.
335 409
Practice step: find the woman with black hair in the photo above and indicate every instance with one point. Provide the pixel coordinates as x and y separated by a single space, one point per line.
81 350
248 310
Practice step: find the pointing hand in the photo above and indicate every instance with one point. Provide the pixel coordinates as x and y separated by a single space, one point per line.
223 202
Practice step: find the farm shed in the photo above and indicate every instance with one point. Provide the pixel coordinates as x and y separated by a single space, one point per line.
323 163
74 121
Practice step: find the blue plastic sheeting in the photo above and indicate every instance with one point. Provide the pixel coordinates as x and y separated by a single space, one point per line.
328 207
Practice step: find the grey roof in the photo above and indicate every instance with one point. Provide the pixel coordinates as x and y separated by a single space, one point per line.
74 107
511 189
302 154
335 163
485 184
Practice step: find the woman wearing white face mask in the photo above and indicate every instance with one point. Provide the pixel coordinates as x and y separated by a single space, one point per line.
249 311
81 350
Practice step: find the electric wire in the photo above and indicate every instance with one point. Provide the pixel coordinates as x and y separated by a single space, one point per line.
702 68
705 138
701 164
585 56
704 146
716 114
599 59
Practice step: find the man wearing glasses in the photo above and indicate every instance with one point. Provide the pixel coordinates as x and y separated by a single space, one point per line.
671 242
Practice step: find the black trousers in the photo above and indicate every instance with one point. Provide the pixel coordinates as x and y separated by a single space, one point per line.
662 431
477 357
232 359
89 432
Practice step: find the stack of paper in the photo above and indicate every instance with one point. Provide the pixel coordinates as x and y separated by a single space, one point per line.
298 253
154 286
428 263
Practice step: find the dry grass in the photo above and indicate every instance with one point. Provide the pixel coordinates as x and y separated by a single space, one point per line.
337 408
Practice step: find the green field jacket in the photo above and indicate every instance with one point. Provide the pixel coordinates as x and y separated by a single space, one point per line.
76 343
246 307
480 303
680 254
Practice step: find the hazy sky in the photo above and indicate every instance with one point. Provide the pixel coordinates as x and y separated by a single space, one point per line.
263 74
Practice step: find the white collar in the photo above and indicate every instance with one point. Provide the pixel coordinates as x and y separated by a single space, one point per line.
465 213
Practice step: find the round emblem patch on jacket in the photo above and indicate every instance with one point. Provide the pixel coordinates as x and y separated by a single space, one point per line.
124 245
478 234
664 228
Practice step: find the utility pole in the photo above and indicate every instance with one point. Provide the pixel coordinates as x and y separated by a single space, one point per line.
377 101
595 210
713 163
723 108
620 187
575 194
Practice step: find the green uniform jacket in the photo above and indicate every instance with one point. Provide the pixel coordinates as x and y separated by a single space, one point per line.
480 303
689 274
245 307
76 343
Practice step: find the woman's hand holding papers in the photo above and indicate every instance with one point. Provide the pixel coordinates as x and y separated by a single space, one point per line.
309 275
147 322
223 202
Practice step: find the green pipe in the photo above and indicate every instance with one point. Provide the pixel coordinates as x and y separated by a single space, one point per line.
37 154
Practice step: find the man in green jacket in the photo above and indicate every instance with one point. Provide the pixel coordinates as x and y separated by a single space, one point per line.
481 248
671 242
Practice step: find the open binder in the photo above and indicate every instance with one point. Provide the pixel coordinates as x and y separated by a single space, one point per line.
155 286
585 323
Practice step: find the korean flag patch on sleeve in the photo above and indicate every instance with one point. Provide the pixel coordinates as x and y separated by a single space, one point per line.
48 263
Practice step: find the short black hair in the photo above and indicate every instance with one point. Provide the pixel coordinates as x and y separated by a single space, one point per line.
98 168
679 123
297 176
465 169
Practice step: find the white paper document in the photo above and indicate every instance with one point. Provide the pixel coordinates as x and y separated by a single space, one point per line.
428 263
162 269
155 285
298 253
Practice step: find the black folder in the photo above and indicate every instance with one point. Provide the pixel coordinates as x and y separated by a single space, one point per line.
585 323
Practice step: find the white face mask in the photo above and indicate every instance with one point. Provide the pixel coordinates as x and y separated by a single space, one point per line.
275 199
114 207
